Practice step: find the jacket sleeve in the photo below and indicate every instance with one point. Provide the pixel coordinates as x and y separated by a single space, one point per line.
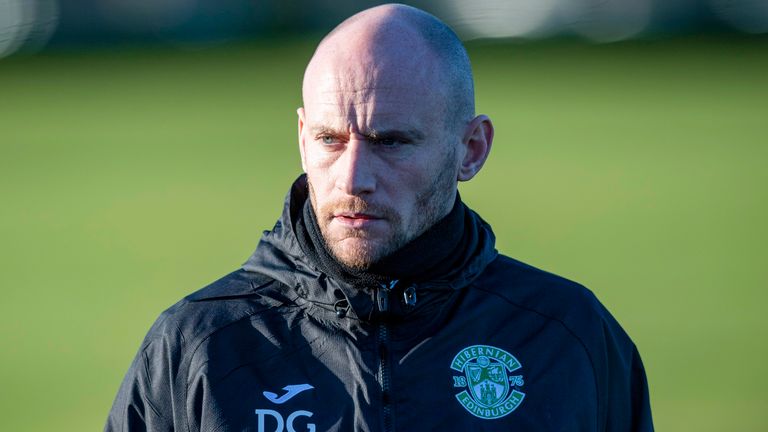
145 399
625 400
641 405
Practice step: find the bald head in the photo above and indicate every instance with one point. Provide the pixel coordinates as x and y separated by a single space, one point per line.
393 44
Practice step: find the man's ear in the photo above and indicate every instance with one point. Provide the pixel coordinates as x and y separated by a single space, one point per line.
300 112
477 141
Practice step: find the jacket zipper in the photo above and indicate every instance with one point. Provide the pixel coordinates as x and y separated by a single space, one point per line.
384 368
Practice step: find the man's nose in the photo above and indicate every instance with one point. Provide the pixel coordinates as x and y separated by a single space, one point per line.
355 174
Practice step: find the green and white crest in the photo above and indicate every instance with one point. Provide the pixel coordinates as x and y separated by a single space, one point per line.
489 389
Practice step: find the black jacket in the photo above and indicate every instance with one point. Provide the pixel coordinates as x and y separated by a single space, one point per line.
278 345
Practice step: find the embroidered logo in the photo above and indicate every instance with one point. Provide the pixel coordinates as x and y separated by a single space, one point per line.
489 388
291 391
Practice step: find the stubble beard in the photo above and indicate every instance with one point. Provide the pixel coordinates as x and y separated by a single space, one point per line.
432 204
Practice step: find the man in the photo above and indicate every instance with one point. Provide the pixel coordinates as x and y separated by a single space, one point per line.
378 301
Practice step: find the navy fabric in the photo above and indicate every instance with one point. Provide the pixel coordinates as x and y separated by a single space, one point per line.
266 348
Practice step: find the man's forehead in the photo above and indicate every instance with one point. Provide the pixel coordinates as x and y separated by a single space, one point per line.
375 98
376 79
370 76
370 122
338 94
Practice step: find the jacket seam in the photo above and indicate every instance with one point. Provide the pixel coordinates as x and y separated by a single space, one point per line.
283 352
193 351
144 364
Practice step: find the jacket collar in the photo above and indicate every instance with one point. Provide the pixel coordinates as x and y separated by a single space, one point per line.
280 256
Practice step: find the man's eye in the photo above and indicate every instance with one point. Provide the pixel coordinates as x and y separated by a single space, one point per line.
327 139
386 142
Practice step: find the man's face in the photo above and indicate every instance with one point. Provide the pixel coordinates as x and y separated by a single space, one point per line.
381 163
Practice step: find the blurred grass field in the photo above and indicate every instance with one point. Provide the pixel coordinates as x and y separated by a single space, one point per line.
132 177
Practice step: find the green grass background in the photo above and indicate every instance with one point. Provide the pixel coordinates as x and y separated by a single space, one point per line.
129 178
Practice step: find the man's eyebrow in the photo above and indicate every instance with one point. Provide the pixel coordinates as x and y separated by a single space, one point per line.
410 134
324 130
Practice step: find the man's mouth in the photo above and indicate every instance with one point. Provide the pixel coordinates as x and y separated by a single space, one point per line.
355 219
349 215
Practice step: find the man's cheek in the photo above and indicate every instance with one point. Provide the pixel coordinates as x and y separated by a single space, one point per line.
319 158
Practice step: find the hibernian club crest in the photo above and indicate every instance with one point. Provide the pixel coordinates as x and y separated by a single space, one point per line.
489 388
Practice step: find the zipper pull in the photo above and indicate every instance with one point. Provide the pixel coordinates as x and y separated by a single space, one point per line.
382 295
409 296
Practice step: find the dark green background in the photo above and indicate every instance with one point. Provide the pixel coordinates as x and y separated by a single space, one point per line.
130 178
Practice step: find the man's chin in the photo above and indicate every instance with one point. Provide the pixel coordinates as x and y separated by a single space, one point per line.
358 253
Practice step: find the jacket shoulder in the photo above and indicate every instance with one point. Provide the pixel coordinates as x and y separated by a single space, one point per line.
537 290
238 295
556 298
